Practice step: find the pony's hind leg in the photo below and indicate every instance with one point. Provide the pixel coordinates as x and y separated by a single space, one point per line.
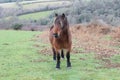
58 61
54 54
68 59
62 54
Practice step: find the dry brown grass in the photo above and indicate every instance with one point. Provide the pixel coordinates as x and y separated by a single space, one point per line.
92 38
116 34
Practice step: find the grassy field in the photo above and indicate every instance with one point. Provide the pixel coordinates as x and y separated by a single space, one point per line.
33 16
20 60
36 15
44 4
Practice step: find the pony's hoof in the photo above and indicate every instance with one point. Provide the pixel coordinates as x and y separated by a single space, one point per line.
54 60
57 68
63 58
68 67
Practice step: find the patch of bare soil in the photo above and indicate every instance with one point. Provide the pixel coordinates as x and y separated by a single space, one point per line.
116 34
112 65
43 37
46 51
40 60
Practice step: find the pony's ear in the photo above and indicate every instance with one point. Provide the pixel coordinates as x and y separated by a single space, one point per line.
56 15
63 15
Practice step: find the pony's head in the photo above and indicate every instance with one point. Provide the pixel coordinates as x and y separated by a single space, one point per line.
60 24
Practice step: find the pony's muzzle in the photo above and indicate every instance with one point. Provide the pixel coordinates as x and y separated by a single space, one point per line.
55 35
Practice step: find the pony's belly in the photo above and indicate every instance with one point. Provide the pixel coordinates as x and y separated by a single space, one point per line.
62 46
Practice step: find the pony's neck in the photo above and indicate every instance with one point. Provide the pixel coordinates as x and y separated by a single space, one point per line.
65 33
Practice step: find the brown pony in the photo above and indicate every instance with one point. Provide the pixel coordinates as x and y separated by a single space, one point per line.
60 39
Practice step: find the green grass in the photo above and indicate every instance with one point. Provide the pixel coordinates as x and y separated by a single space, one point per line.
36 15
107 37
33 16
19 60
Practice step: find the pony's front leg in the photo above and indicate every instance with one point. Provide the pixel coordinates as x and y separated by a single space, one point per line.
58 61
62 54
54 54
68 59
